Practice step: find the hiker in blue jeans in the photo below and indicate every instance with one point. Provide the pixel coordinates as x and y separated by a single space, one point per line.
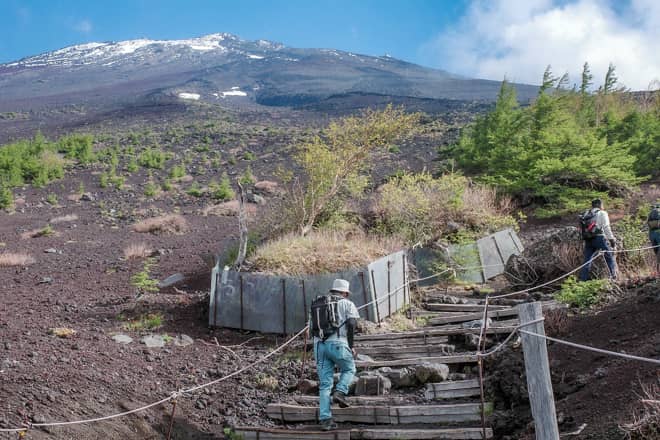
654 234
333 351
598 236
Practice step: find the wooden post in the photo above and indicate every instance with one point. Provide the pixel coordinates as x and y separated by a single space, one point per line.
537 370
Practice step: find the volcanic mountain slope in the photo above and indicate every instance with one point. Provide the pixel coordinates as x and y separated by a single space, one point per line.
222 68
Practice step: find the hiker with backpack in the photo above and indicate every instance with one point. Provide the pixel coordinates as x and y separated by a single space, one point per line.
597 235
332 323
654 234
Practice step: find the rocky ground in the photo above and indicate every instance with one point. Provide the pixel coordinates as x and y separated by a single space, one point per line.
80 280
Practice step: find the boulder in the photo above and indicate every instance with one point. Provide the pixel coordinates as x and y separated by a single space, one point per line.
183 340
400 378
429 372
122 338
372 385
308 386
266 187
550 257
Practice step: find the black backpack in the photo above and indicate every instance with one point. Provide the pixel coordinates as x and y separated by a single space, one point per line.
588 225
654 218
325 316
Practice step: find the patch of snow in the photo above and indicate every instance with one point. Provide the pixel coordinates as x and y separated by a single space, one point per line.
233 92
216 95
255 57
186 95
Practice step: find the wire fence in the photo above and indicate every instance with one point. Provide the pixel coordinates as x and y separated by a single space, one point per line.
173 395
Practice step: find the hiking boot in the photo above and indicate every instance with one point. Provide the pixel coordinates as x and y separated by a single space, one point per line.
328 425
340 399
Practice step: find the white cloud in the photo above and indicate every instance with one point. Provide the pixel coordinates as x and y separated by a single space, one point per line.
519 38
84 26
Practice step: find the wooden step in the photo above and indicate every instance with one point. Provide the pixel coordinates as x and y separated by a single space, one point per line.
439 307
375 433
357 400
452 389
404 352
429 340
372 414
454 359
448 330
504 313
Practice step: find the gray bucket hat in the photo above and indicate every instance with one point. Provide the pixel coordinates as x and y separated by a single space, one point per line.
341 286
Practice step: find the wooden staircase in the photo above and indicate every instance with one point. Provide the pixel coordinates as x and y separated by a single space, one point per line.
445 410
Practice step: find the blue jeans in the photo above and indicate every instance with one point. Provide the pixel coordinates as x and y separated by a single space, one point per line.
328 354
654 236
590 248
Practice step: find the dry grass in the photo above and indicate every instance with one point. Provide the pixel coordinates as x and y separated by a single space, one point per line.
46 231
64 219
569 255
136 251
16 259
164 224
62 332
556 322
322 252
646 423
230 209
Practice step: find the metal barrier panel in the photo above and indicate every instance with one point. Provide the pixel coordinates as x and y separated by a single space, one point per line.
467 256
485 259
387 277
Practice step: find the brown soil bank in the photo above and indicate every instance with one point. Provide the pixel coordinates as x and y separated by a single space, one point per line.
601 390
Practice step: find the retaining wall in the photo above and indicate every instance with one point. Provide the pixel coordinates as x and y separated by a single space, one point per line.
280 304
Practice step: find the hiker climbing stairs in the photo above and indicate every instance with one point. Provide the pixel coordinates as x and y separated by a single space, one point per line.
415 384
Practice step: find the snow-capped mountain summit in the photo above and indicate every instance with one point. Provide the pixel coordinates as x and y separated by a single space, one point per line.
221 67
108 53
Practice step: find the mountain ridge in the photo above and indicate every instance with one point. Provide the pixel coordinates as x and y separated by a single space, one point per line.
224 68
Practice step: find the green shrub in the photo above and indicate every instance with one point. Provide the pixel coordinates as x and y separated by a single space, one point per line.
581 294
248 155
52 199
631 233
152 158
104 180
150 189
34 161
223 190
195 190
167 185
6 198
117 181
79 147
132 165
177 171
419 208
142 280
247 178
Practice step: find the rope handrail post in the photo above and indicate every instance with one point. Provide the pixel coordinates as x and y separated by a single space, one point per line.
537 370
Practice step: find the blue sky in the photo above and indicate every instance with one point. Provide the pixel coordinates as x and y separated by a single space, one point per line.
373 27
477 38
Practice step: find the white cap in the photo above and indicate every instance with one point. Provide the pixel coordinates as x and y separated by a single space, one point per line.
340 285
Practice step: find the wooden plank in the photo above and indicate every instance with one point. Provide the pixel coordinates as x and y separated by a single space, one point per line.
455 384
440 307
402 352
376 433
356 400
537 369
504 313
452 389
455 359
252 433
457 413
498 327
420 434
430 340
